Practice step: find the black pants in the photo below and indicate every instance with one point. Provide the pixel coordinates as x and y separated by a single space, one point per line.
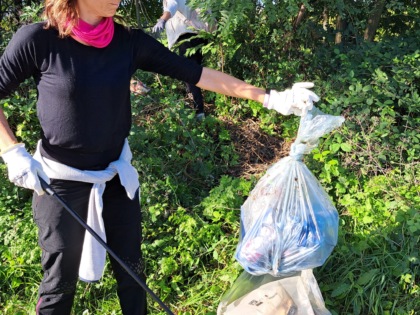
61 239
198 58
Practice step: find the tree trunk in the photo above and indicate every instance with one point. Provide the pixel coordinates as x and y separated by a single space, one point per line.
299 17
138 13
325 19
373 21
340 25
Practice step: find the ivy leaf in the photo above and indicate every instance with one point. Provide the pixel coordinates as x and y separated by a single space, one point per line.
335 147
367 276
341 289
346 147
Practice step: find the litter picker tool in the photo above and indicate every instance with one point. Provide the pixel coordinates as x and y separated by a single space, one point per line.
47 188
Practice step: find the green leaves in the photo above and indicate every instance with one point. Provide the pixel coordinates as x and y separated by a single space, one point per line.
346 147
190 200
341 290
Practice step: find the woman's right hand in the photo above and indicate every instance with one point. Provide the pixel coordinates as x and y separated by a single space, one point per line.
23 169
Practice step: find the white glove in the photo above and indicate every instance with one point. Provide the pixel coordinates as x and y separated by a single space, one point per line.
23 169
298 100
159 26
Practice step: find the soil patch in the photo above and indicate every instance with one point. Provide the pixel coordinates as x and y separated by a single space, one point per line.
257 150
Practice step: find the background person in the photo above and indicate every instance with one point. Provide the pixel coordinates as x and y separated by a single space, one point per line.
182 25
82 63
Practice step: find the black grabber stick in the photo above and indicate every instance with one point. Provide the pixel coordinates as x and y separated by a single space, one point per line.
47 188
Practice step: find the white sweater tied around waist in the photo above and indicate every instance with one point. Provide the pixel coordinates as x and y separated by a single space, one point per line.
92 263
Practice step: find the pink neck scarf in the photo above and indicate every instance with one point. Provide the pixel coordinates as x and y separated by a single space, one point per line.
98 36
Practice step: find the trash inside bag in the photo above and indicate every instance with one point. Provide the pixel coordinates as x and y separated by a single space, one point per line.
298 294
288 222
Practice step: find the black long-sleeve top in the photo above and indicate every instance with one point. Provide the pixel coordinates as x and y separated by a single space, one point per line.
84 92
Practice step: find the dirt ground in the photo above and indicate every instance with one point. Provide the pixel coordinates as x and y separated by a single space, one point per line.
256 149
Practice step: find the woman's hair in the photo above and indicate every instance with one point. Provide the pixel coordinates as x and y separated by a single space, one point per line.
61 15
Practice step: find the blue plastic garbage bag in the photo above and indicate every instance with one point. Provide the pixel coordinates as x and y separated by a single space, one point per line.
288 222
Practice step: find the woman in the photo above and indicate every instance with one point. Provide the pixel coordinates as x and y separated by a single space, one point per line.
82 63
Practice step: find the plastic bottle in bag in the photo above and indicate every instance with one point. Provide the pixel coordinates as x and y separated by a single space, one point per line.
255 249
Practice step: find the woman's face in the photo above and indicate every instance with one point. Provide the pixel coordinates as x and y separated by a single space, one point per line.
92 11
